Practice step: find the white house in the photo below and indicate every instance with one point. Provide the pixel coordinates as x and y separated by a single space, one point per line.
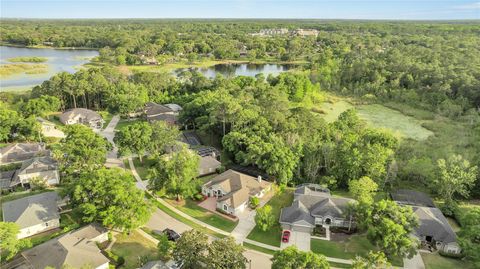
233 190
49 129
42 168
33 214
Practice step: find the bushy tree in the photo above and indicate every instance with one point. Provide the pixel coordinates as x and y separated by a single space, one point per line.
135 138
225 253
191 249
110 197
374 260
165 247
469 239
41 106
175 172
164 137
455 176
264 218
363 189
292 258
9 244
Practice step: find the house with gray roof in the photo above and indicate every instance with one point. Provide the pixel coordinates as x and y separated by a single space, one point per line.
208 165
19 152
44 169
33 214
156 112
434 229
76 249
314 206
82 116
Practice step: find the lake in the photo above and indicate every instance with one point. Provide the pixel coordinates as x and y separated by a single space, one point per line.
58 61
242 69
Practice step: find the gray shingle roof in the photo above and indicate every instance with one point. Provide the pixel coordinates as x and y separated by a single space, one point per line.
411 197
32 210
297 213
74 248
433 223
88 114
21 151
152 109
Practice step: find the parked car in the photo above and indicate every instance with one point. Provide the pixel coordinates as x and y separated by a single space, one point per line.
171 234
285 236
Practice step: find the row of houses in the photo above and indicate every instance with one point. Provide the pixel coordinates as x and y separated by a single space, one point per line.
313 206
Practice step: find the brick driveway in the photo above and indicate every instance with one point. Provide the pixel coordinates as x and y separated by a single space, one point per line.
209 204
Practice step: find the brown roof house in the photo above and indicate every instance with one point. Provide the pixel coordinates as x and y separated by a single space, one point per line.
208 165
33 214
76 249
157 112
233 190
314 206
19 152
82 116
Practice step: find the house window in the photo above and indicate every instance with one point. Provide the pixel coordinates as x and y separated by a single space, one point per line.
225 207
46 224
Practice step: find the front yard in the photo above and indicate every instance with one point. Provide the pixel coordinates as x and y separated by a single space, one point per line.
190 208
436 261
272 235
354 245
135 249
142 167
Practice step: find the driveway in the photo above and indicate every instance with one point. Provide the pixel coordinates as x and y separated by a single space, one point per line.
109 134
246 223
209 204
299 239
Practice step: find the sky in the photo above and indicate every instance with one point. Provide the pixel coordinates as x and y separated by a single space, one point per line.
317 9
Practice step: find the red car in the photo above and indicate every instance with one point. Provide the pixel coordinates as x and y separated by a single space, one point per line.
285 236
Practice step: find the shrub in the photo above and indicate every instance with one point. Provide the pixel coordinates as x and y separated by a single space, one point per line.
254 202
199 197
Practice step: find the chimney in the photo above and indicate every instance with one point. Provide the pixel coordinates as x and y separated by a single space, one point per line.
259 178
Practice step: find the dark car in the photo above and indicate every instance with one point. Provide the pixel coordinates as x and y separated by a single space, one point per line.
285 236
171 234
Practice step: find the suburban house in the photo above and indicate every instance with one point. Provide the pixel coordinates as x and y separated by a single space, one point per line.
82 116
19 152
41 168
168 113
314 206
434 230
233 190
208 165
49 129
76 249
33 214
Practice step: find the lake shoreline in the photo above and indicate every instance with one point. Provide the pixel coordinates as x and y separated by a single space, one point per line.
6 44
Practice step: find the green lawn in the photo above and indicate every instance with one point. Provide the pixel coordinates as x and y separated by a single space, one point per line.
142 167
436 261
258 248
107 117
353 246
182 219
124 123
133 248
272 236
192 209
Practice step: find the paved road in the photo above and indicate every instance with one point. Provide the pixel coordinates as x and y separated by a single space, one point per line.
109 134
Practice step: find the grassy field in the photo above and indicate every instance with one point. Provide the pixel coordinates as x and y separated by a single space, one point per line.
22 68
133 248
192 209
272 235
124 123
436 261
379 116
31 59
349 249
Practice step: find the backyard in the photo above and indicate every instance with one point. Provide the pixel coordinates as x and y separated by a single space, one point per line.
191 208
135 249
272 235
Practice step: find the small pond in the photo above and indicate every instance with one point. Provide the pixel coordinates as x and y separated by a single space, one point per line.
242 69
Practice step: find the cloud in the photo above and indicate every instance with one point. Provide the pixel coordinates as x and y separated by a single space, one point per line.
470 6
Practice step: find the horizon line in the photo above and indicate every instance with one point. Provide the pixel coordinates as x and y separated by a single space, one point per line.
225 18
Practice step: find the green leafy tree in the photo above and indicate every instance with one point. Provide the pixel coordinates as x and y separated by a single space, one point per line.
363 189
225 253
264 218
175 172
376 260
292 258
9 244
254 201
389 227
165 247
110 197
469 239
455 176
164 137
41 106
135 138
81 150
191 249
